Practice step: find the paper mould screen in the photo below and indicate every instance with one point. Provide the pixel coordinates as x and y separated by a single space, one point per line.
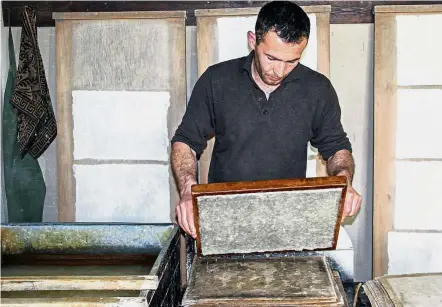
268 221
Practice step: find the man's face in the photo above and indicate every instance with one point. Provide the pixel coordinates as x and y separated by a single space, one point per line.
274 58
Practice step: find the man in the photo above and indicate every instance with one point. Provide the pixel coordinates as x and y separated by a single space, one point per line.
263 109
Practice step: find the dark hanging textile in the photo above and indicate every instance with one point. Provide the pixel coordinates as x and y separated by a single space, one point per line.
37 127
24 185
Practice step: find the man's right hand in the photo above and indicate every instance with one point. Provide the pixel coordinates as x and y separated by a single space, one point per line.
184 211
184 168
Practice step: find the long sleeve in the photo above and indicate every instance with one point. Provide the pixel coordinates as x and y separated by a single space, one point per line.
328 133
198 124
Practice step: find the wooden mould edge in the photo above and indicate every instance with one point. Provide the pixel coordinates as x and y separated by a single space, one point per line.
270 186
76 301
74 283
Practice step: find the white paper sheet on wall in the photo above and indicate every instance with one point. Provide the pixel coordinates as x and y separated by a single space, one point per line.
232 36
137 193
122 54
232 39
310 55
414 252
418 123
418 195
120 125
419 49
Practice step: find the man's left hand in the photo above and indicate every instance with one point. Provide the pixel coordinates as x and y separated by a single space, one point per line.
352 203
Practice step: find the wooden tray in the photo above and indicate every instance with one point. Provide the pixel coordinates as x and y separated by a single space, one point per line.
90 265
294 281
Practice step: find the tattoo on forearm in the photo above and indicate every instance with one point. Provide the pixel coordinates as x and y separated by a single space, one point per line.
183 166
341 162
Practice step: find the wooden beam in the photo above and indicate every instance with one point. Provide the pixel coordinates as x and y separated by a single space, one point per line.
65 142
385 110
254 10
404 9
118 15
342 12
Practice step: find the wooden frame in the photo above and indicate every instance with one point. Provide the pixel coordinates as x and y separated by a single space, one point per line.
64 24
268 186
385 113
206 50
197 293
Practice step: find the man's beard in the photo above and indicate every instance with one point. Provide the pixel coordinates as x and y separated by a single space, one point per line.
263 77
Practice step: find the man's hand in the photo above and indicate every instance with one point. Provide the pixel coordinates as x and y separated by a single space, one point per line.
184 169
352 203
184 211
342 164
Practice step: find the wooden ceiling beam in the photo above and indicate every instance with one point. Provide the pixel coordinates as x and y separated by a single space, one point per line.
342 12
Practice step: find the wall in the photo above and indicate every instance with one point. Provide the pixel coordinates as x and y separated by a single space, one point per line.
415 242
191 59
351 74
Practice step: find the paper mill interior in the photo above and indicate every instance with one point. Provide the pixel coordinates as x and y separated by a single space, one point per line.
221 153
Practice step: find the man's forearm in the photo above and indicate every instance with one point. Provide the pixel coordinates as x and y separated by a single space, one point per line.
341 163
183 166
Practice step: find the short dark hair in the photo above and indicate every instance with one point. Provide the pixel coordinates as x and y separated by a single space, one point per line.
286 18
